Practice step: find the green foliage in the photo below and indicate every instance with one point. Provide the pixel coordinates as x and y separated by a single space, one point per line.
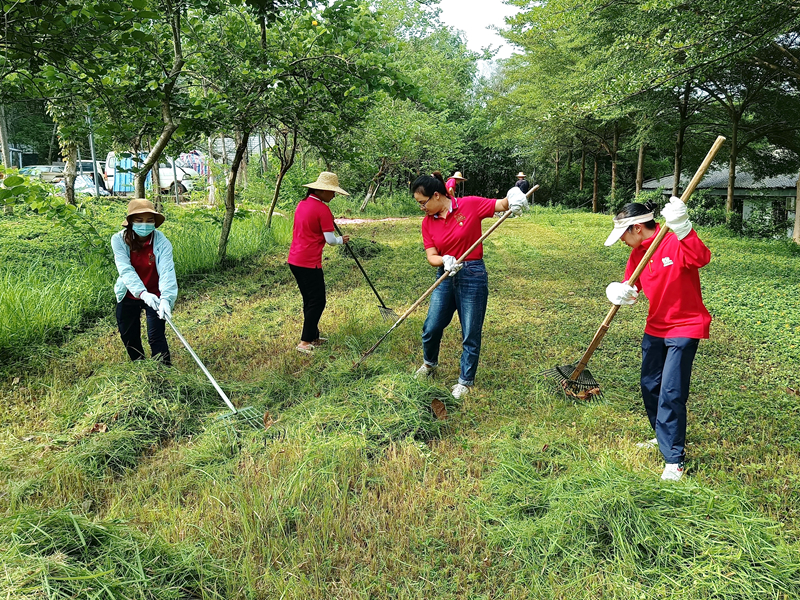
706 209
762 222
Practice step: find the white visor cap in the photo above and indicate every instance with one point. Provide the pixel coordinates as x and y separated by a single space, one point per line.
621 226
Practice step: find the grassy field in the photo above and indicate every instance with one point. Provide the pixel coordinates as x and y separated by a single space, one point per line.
119 482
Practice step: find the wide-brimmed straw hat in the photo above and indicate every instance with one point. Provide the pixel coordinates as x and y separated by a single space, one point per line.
621 226
459 176
326 181
139 206
520 174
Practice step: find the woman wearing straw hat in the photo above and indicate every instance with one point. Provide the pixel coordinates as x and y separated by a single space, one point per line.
522 183
313 228
146 280
450 226
676 322
451 184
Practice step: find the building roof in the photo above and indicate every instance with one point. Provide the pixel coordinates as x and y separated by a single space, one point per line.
719 180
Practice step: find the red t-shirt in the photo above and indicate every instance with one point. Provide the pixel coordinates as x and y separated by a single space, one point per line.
311 220
451 184
456 232
144 262
671 282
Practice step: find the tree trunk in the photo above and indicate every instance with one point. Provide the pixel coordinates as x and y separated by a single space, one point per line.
640 170
170 123
156 181
5 149
373 186
595 186
264 158
583 166
241 177
230 196
212 184
70 170
679 141
614 153
53 145
558 165
732 167
287 160
796 231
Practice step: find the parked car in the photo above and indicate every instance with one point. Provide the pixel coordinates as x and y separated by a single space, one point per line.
47 173
124 169
83 185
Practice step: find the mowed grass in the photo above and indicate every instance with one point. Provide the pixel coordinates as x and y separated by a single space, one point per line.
357 491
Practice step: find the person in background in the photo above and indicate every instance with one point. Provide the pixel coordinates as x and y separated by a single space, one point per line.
146 281
450 226
676 322
451 183
312 229
522 183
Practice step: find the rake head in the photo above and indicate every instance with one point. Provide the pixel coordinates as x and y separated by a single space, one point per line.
585 387
244 416
388 314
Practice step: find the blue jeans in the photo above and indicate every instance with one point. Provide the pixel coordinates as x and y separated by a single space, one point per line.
467 292
666 371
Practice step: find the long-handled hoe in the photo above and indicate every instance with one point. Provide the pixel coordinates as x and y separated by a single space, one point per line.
437 283
387 313
575 379
247 415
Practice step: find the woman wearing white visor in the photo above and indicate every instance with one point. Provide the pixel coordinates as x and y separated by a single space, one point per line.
676 322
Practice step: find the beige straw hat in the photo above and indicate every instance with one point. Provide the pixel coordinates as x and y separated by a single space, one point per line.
326 181
520 174
139 206
459 176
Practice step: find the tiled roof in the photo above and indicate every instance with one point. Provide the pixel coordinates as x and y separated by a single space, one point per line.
719 179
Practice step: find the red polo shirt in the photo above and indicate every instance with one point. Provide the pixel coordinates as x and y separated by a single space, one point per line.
454 233
671 282
144 263
311 219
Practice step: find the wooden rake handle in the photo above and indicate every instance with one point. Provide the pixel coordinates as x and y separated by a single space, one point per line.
437 283
601 332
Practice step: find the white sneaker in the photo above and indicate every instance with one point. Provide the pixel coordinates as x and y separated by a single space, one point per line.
648 445
459 390
673 471
424 371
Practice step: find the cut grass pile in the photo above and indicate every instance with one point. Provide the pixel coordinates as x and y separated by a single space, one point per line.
593 529
357 491
61 555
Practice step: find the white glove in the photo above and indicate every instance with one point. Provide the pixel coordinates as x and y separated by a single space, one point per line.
164 309
517 202
621 293
150 299
450 264
676 217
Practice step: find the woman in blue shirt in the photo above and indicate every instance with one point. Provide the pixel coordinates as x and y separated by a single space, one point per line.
146 280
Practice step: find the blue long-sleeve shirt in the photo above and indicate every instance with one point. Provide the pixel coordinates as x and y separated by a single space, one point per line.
129 280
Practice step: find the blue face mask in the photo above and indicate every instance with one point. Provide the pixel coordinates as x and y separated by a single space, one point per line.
143 229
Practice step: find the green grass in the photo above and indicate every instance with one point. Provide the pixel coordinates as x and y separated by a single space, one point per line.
357 491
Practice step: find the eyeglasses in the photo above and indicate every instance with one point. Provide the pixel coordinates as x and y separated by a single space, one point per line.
424 204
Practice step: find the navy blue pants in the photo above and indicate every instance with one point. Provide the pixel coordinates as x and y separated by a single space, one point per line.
466 293
129 319
666 371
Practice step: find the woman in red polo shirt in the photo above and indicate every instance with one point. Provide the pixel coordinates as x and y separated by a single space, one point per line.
449 228
676 322
313 228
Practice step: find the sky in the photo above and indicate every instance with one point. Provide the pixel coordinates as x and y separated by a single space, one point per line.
473 16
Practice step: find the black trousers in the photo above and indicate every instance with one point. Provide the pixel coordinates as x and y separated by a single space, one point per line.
312 287
129 319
